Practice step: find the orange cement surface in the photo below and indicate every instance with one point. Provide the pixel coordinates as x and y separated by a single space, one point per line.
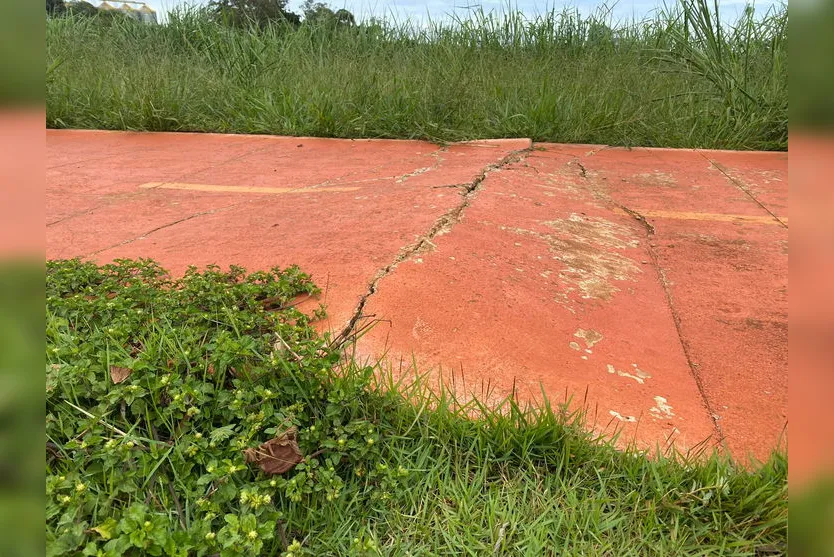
649 285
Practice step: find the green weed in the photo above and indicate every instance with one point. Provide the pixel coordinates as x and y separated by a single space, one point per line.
155 386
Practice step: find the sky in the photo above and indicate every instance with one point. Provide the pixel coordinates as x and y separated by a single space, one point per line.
437 9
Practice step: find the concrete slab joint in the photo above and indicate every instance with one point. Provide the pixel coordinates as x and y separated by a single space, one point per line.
664 282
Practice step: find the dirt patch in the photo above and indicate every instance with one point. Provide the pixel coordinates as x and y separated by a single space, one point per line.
590 336
655 179
587 247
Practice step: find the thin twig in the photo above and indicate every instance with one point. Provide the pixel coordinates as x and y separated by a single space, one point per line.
100 420
290 350
177 503
500 540
279 525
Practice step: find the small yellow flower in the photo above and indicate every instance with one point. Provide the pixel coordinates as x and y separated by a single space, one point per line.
210 536
79 487
252 534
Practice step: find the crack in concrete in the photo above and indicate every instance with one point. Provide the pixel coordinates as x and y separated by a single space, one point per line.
438 160
398 178
77 214
639 218
143 193
167 225
742 187
667 291
442 225
108 203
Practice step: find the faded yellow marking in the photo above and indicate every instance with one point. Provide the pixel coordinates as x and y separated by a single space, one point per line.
715 217
236 189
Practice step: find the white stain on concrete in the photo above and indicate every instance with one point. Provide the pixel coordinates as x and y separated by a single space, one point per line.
638 374
662 408
622 418
590 336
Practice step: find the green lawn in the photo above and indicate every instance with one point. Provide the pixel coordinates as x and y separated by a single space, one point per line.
681 79
155 387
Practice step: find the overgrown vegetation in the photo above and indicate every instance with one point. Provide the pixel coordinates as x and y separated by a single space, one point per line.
680 79
155 387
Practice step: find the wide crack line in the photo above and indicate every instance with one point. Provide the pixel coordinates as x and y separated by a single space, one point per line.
442 225
667 291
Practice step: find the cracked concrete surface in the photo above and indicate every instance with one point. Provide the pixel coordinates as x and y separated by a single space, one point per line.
648 286
442 225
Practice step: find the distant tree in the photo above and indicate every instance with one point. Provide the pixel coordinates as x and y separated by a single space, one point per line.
55 7
344 17
319 12
242 13
82 8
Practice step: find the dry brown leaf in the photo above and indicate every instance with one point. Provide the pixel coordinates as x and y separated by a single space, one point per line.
278 455
119 374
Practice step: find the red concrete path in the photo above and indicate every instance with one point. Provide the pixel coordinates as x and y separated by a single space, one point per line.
649 284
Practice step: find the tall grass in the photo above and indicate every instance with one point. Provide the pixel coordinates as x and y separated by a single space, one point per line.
683 78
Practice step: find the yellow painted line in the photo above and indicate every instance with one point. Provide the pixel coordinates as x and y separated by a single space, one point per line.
236 189
713 217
